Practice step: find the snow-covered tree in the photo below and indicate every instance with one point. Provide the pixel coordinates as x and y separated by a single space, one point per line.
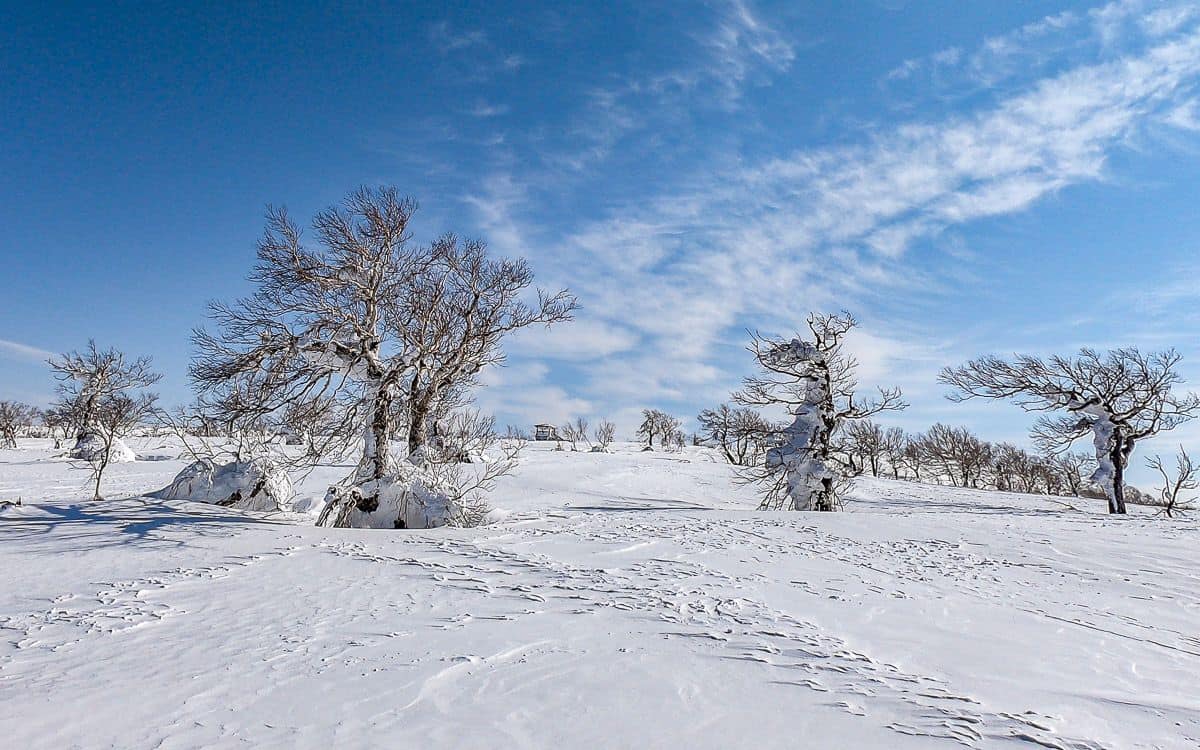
675 440
814 379
384 330
320 323
1119 397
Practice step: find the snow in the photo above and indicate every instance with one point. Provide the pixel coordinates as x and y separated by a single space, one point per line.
409 495
90 447
249 485
619 600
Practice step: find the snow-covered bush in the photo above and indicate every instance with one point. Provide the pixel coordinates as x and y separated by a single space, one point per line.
440 484
91 446
255 484
408 500
416 495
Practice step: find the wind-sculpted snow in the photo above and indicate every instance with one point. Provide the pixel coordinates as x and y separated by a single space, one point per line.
625 600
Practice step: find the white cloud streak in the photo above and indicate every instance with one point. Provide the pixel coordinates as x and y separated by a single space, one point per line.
24 352
829 228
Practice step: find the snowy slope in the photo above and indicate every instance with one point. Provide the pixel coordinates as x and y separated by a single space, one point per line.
626 600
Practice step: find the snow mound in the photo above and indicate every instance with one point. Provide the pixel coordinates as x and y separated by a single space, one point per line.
90 447
255 484
412 496
399 501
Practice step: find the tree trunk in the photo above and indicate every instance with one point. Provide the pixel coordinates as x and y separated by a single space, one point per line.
418 414
100 466
376 451
1116 503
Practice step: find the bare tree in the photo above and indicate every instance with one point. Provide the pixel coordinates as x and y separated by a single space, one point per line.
1120 397
312 424
671 429
114 416
86 378
514 433
15 418
1175 495
604 435
462 307
914 455
60 423
1013 469
814 379
675 440
321 324
893 444
962 457
363 321
463 437
1074 468
864 440
575 432
740 433
657 423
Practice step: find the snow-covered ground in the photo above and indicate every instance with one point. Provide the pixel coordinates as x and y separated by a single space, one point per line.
625 600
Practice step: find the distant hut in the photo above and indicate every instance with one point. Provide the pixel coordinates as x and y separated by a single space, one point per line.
545 432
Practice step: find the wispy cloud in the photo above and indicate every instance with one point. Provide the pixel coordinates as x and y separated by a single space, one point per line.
24 352
1111 29
740 44
738 48
484 109
447 39
767 241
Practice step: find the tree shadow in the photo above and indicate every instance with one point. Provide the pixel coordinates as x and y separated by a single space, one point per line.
626 503
918 498
132 521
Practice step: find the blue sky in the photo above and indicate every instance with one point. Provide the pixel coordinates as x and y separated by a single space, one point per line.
965 177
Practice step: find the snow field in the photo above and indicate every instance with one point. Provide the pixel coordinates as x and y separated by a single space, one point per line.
624 600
